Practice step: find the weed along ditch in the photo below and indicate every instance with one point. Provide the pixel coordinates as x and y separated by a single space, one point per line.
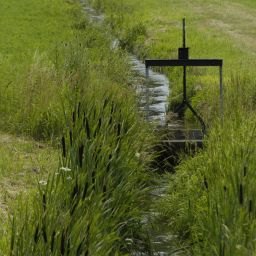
153 91
127 128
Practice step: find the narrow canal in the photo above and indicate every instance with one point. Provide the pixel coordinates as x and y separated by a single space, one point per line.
152 88
153 91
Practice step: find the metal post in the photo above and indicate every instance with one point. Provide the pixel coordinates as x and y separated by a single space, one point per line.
221 96
147 94
184 61
184 32
184 83
184 68
147 72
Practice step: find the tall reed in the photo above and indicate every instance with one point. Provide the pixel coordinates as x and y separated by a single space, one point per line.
211 200
91 205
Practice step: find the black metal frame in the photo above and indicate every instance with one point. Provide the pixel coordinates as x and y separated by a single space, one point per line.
185 62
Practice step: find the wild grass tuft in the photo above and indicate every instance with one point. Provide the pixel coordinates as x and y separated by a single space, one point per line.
91 204
210 200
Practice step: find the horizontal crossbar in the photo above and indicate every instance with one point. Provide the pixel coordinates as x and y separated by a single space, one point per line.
182 63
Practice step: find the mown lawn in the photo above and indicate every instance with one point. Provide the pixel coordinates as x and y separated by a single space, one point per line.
31 32
30 26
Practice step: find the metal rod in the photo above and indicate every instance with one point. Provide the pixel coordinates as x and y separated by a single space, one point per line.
185 62
184 83
184 32
184 68
147 93
199 118
181 63
147 72
221 95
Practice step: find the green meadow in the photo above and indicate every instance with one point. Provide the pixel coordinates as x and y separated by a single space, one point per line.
75 153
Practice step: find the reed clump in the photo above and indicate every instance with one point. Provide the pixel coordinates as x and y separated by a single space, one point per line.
92 204
210 201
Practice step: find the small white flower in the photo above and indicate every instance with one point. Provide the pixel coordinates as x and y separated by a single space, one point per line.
69 178
57 173
137 154
65 169
129 240
43 182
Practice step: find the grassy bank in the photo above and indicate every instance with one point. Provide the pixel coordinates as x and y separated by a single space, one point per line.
32 34
23 163
91 204
215 29
210 203
72 88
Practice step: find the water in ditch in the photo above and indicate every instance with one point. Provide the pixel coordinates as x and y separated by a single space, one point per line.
153 91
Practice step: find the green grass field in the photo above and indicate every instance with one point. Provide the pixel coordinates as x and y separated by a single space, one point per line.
23 164
28 29
75 154
71 179
215 29
32 32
